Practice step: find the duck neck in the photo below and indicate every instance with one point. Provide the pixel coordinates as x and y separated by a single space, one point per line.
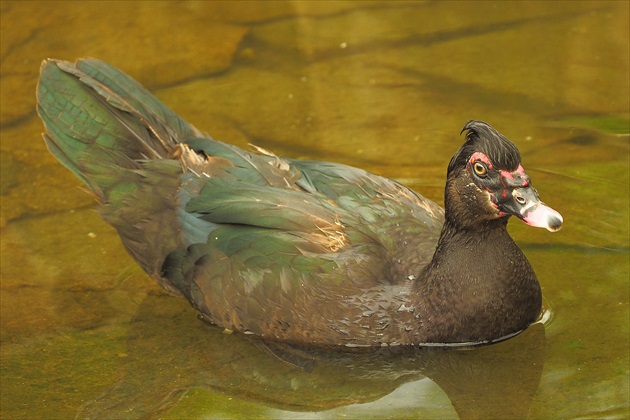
481 284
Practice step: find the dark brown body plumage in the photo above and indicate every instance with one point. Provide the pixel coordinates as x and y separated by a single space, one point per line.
300 251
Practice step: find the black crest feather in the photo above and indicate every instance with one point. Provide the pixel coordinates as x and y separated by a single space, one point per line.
481 137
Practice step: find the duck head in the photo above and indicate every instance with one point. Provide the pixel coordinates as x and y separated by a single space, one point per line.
486 183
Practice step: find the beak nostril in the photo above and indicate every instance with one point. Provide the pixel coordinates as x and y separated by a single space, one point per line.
520 200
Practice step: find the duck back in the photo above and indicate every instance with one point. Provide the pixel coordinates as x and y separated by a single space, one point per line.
301 251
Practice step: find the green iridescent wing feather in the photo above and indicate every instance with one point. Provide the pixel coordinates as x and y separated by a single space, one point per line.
241 234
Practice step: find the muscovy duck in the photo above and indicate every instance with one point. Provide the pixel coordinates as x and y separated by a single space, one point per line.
301 251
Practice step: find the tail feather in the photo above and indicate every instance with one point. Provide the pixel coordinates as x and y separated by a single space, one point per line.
137 97
96 118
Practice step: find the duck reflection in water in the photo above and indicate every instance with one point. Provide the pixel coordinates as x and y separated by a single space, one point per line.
497 381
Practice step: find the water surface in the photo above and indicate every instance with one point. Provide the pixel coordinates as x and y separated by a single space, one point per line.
381 85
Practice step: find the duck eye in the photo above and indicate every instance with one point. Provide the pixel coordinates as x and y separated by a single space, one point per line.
480 169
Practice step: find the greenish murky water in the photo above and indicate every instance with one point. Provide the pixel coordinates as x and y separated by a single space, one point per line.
381 85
